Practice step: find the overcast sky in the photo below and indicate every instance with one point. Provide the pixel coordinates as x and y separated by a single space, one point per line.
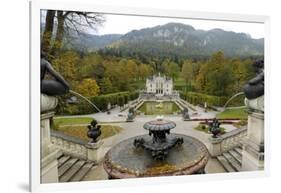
121 24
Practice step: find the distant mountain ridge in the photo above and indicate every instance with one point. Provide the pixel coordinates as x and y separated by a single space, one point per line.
92 42
177 39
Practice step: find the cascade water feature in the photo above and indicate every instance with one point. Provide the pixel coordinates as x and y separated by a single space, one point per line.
81 96
231 98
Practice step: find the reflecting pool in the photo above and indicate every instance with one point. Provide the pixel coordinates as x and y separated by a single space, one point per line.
159 108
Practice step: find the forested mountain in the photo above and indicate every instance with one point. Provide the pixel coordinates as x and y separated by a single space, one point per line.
183 40
170 40
90 42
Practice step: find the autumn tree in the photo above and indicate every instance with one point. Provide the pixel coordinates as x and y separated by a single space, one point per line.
201 78
48 31
58 24
187 72
106 86
144 71
171 69
132 69
88 87
66 63
216 76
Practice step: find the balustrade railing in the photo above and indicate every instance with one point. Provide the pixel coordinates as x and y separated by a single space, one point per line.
227 141
69 145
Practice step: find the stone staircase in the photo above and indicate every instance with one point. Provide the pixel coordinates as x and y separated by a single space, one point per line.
231 160
73 169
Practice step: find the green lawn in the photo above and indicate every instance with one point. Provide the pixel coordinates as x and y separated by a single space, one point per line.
81 131
74 127
61 121
237 113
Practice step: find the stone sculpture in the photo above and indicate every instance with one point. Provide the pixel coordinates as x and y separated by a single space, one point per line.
131 114
56 85
253 147
94 131
185 114
254 89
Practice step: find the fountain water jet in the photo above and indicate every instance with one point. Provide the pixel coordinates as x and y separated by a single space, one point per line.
231 98
81 96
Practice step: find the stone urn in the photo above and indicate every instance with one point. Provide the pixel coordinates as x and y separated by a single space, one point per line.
94 131
215 128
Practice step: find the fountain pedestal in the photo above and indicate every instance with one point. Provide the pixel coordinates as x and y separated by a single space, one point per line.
253 148
160 144
49 165
94 151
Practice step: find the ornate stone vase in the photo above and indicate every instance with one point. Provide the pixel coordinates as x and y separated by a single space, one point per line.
94 131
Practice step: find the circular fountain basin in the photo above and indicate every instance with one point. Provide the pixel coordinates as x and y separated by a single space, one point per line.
124 160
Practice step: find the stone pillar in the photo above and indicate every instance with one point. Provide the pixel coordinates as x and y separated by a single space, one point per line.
95 151
49 165
215 146
253 147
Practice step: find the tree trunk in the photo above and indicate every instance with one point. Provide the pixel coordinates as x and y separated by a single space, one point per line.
48 31
59 34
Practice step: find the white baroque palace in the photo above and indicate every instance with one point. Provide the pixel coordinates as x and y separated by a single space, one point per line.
159 85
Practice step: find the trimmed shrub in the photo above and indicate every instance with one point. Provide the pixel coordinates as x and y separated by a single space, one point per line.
101 101
199 98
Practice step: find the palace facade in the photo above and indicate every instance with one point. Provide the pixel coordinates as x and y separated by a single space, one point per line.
159 85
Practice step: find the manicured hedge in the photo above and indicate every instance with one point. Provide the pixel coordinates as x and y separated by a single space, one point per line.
119 98
199 98
183 87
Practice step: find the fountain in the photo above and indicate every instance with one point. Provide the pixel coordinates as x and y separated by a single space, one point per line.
160 144
160 105
158 153
253 148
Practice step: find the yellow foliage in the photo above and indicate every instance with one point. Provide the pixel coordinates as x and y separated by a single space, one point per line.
88 87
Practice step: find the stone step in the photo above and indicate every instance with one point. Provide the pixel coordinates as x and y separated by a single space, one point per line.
225 164
71 171
238 150
62 160
232 161
236 155
60 154
82 172
66 166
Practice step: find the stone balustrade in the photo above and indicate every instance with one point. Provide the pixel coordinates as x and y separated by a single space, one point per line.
76 147
227 141
69 145
139 104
